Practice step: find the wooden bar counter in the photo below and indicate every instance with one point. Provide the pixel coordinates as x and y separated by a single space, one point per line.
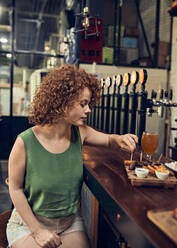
125 205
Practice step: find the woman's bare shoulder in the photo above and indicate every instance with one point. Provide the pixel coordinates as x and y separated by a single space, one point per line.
19 142
18 148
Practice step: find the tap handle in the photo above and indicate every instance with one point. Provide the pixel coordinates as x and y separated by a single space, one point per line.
102 83
161 94
171 95
119 80
153 94
108 82
166 94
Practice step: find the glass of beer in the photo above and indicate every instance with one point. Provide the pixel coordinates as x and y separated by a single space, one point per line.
149 143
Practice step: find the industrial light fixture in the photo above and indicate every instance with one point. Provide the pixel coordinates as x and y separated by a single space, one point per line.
86 22
8 55
3 40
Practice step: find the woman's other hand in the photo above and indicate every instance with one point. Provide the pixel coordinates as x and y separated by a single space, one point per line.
46 239
126 141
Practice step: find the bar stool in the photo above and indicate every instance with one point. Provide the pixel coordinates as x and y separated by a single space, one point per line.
4 217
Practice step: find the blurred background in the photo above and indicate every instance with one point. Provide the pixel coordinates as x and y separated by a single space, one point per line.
106 37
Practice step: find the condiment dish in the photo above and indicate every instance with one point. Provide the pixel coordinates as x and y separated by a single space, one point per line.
162 175
141 172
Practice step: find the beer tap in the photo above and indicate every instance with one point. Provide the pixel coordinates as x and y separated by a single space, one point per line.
134 78
165 102
132 102
125 104
160 109
101 110
152 102
153 96
170 96
108 83
118 104
112 106
98 108
169 102
119 80
161 95
141 105
142 79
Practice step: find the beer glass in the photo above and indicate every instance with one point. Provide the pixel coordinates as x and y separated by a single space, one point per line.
149 143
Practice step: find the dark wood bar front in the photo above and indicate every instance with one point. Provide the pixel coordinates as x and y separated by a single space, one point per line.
125 205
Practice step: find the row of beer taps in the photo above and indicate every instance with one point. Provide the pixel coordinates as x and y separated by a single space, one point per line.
165 98
161 99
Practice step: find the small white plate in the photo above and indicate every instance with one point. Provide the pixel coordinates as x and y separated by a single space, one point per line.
172 165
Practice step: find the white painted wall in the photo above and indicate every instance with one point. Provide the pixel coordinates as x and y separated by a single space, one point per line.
173 78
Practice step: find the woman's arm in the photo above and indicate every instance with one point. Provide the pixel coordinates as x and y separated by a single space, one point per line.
91 136
16 170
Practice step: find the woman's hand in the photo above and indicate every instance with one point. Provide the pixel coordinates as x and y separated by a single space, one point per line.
126 141
46 239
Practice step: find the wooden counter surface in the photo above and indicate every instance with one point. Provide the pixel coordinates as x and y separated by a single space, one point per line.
106 177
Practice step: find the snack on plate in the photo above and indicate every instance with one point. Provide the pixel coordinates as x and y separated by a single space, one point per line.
151 169
175 213
127 162
130 163
159 168
162 168
171 173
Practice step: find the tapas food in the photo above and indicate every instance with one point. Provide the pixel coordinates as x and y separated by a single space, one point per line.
130 163
175 213
157 169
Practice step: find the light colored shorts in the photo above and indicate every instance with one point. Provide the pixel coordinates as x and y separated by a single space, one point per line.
16 227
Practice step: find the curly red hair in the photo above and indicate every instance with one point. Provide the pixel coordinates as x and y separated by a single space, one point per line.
58 90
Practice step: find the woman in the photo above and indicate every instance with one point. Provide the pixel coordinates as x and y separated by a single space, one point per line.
45 164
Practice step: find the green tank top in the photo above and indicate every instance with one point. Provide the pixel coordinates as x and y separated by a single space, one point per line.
53 182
